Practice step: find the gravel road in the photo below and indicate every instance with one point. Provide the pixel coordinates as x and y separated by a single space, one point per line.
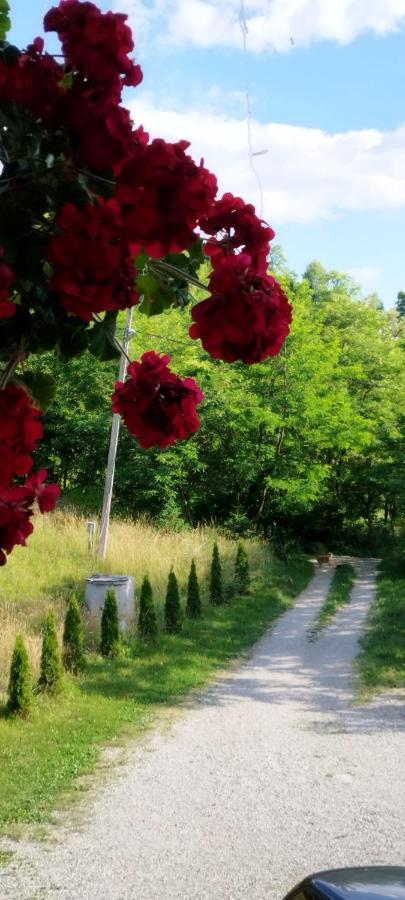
268 775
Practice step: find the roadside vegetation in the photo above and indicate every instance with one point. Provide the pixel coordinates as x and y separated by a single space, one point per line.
339 595
382 661
42 755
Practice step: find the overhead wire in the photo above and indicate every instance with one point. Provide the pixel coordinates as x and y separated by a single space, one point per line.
249 116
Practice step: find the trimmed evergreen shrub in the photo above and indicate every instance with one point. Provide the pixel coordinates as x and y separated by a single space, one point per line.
193 605
110 631
147 624
20 684
242 575
173 620
50 675
73 638
216 589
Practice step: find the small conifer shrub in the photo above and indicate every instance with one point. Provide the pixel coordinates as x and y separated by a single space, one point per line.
216 588
50 675
20 683
173 622
110 631
242 575
193 605
73 638
147 624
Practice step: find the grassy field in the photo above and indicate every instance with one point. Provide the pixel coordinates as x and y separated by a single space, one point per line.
339 594
382 661
40 758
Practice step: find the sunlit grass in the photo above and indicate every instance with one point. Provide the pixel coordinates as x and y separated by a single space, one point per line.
338 595
382 661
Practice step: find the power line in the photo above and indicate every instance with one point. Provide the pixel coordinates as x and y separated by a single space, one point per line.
249 117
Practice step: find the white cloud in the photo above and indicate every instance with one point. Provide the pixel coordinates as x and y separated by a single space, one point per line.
307 175
272 24
369 276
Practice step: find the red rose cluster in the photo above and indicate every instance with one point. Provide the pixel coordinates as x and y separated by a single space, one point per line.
93 267
96 47
163 194
157 406
34 80
234 225
20 431
247 316
7 307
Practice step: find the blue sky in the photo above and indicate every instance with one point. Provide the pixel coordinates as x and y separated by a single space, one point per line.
327 95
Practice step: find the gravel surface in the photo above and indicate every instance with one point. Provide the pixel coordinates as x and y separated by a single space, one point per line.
270 774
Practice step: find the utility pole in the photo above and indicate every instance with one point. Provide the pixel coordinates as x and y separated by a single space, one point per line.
112 454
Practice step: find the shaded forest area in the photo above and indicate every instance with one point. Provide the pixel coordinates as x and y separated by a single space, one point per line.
308 446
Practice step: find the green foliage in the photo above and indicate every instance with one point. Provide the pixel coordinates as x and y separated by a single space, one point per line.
109 625
147 624
339 594
382 661
113 696
400 304
242 575
216 588
73 638
312 440
173 616
50 676
193 605
20 684
5 23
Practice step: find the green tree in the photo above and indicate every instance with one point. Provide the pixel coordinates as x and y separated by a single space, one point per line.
110 625
216 588
400 303
20 684
50 676
73 638
173 617
242 574
193 605
147 624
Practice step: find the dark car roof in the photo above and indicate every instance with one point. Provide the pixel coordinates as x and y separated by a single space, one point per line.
365 883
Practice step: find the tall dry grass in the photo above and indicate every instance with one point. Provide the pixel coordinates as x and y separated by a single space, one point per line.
56 563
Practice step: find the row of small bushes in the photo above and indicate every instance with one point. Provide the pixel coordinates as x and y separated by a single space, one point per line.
20 690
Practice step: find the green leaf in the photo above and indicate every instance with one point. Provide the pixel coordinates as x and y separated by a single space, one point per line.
155 296
72 342
42 386
101 338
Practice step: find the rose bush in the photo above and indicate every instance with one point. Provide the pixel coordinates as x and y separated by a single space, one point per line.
95 217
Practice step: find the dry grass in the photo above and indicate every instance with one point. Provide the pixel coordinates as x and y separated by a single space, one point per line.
56 563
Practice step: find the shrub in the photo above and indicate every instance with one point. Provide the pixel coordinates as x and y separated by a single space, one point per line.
110 632
73 638
173 621
50 675
193 606
147 624
216 589
242 576
20 683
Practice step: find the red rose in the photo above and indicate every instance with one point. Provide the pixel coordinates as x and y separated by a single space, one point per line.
100 129
46 495
16 510
34 81
247 317
20 430
15 524
234 225
93 269
7 307
96 44
157 406
162 194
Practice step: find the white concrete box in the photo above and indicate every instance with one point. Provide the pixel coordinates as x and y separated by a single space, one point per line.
124 586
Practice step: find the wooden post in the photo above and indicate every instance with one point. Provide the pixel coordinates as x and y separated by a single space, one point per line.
112 454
